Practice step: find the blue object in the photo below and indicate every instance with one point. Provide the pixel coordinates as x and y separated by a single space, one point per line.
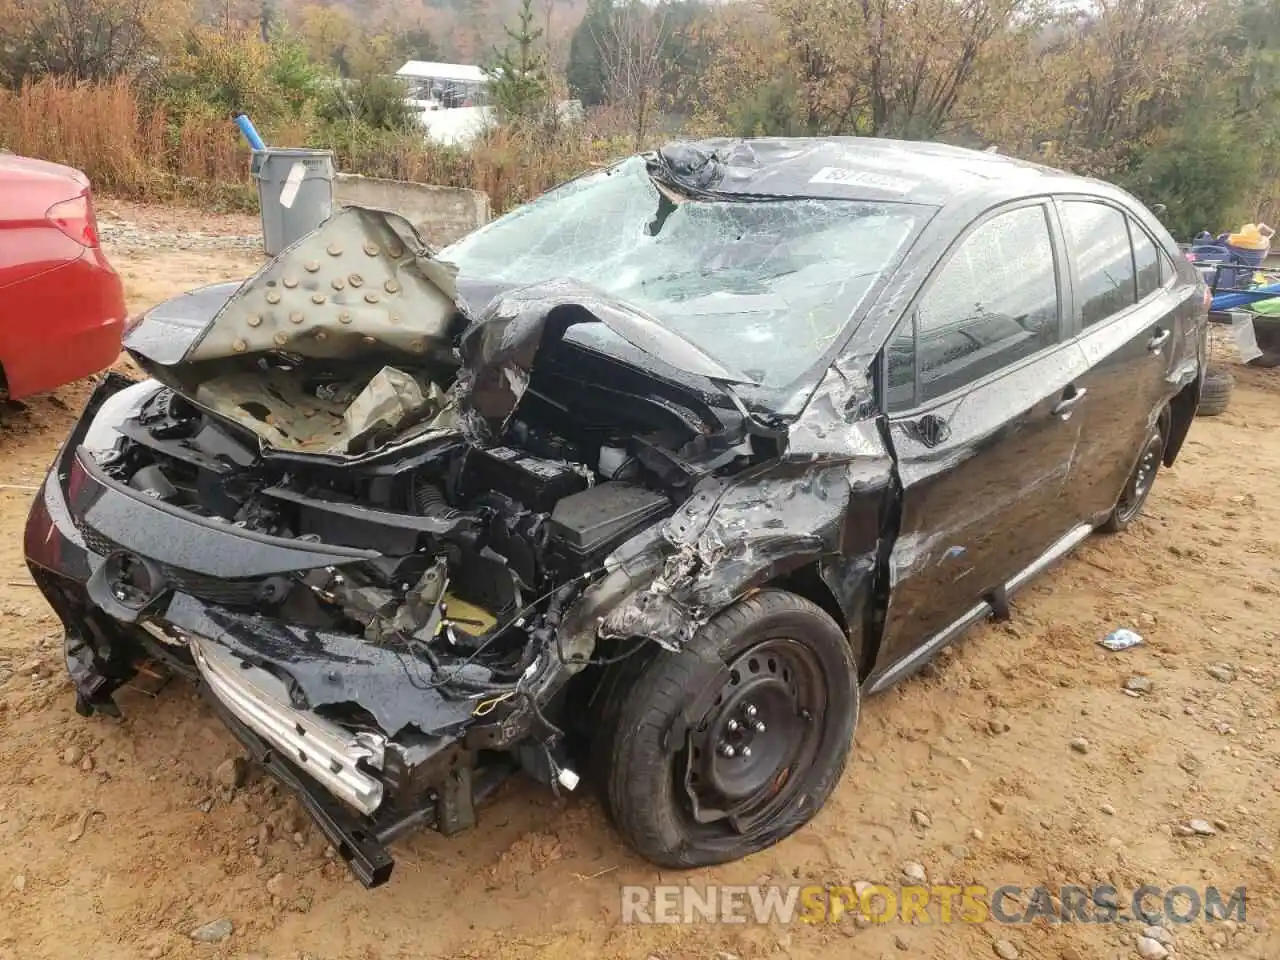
250 131
1239 298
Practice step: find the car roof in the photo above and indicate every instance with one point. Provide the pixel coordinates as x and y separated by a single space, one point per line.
860 168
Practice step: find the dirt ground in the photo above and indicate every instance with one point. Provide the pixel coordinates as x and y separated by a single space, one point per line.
117 839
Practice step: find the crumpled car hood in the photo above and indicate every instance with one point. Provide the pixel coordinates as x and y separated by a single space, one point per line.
362 305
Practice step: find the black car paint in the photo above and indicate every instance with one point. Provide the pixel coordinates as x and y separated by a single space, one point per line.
896 525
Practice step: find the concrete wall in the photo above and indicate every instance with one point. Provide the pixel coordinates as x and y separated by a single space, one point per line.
441 214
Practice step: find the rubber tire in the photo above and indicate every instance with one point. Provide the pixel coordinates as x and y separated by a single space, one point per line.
1267 333
1116 522
1215 392
639 782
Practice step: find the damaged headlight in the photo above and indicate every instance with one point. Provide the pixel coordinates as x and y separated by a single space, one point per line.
103 432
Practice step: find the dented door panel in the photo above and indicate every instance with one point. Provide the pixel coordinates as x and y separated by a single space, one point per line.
981 494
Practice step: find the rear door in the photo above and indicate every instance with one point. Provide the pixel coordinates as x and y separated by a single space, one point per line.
1126 314
980 390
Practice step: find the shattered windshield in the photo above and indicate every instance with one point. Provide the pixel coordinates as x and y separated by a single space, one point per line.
764 286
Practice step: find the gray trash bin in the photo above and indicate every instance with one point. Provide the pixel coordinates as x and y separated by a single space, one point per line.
295 192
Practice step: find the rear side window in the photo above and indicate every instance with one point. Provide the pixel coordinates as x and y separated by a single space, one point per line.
1147 261
1099 239
994 302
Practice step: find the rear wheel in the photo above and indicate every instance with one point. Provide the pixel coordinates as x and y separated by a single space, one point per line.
1138 487
1215 392
733 744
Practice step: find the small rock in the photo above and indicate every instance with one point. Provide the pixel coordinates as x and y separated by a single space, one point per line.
900 942
998 804
1220 825
1071 953
232 773
205 805
1190 764
1182 830
921 819
1202 827
87 764
1159 935
959 851
1218 938
299 839
861 888
913 872
1138 685
1222 672
1005 950
1149 949
72 756
1108 809
965 763
976 833
213 932
279 886
1079 744
997 726
20 883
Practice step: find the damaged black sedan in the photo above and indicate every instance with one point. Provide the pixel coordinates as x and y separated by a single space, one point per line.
647 481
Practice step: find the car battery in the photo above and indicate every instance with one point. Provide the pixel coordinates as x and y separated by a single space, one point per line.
533 482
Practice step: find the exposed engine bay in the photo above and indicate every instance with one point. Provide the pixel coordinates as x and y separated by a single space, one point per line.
385 540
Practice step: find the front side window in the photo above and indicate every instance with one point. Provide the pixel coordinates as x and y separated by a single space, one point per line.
994 302
1099 239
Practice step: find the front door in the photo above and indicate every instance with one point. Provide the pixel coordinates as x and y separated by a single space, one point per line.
981 394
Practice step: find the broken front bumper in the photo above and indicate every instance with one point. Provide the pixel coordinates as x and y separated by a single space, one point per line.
269 681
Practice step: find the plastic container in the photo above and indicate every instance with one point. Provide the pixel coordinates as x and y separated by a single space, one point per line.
295 193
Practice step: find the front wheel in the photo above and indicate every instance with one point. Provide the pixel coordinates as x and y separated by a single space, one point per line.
1140 482
729 746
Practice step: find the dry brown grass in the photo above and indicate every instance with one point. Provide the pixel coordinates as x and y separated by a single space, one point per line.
131 149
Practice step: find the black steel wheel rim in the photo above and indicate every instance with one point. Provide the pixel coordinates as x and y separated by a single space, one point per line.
1144 474
756 742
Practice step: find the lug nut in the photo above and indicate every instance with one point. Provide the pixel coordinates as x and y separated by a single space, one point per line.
727 750
732 726
758 726
746 752
750 710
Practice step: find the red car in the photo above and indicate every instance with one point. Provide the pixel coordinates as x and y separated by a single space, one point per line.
62 307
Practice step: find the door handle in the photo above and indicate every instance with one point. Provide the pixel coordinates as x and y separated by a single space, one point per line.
1158 340
1070 399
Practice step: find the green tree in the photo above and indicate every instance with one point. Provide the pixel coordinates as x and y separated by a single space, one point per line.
518 86
586 71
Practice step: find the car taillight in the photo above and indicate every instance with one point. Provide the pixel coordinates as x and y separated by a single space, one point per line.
75 218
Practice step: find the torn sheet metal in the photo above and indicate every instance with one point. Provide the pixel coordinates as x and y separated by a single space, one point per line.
498 350
389 404
363 284
731 536
329 669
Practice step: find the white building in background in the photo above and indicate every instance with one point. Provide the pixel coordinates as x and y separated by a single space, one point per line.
444 86
451 101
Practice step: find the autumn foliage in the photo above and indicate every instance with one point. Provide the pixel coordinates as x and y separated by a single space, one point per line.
1175 99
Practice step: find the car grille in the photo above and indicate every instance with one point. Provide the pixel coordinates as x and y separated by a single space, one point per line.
225 592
